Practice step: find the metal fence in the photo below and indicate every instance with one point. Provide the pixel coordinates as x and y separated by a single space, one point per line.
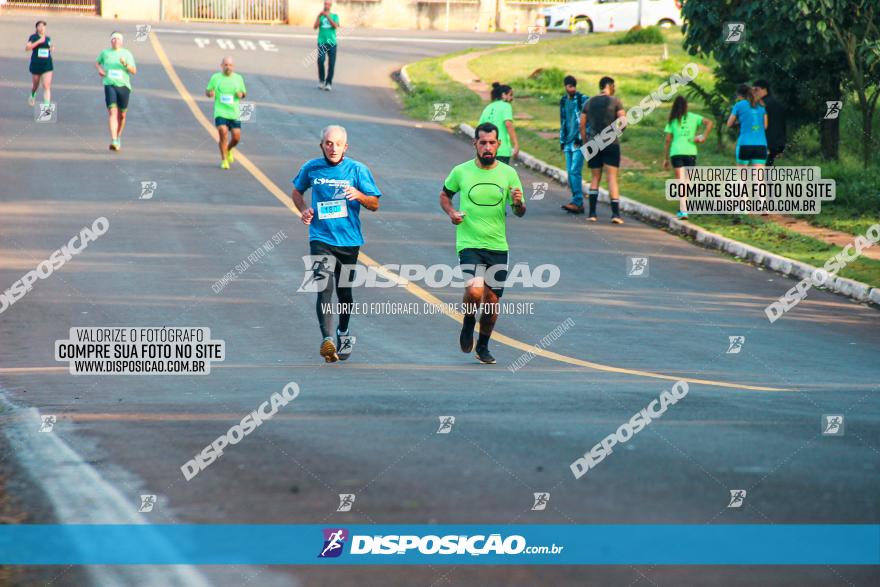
248 11
76 5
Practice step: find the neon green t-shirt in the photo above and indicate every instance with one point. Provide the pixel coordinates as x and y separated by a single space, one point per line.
326 32
683 132
115 73
484 194
497 113
226 99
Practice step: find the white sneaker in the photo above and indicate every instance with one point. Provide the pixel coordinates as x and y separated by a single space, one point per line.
327 87
321 86
31 100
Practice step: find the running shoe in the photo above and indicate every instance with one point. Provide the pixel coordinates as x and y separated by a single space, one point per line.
682 215
114 145
573 208
224 164
592 219
230 157
32 100
466 338
321 85
617 220
328 351
328 87
344 344
484 356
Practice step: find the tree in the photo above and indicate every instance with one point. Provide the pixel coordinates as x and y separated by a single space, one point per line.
810 49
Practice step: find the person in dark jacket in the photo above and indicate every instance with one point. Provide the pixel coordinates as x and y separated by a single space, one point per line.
775 120
570 106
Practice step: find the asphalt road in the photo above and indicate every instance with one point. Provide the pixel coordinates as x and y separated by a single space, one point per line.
369 426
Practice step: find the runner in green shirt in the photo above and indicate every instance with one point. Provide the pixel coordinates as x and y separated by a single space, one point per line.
486 186
681 142
227 88
116 66
326 22
500 113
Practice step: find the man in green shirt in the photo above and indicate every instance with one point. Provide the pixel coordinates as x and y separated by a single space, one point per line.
327 22
227 88
487 186
116 66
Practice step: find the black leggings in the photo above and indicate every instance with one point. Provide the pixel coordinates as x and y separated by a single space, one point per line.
337 256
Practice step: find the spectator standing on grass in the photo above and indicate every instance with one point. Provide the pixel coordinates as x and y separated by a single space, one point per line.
775 121
570 106
751 145
500 113
599 113
682 139
326 23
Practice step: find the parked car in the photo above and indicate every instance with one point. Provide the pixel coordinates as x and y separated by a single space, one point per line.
604 16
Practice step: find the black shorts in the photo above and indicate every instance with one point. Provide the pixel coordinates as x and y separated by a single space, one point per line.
41 66
609 156
227 122
116 96
342 255
683 161
490 265
751 154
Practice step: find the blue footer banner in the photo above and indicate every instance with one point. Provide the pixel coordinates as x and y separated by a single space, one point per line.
353 544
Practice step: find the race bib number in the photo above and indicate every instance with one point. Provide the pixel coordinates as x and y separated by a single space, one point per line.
332 209
115 74
44 53
227 99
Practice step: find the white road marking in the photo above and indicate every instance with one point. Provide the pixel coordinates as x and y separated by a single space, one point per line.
314 37
79 495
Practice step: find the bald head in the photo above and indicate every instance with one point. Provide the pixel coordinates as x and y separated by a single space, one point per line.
334 143
226 65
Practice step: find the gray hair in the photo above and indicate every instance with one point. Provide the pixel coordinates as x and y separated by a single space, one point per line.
327 129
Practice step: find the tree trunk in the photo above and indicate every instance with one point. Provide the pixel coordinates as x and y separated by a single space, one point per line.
829 129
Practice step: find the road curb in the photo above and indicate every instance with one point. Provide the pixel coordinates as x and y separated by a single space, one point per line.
403 79
856 290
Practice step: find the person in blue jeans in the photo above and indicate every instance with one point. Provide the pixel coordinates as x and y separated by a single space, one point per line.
750 115
570 106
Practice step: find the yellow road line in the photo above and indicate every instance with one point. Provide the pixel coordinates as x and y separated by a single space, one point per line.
411 287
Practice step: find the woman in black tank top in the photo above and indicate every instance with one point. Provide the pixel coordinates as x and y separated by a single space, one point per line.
41 49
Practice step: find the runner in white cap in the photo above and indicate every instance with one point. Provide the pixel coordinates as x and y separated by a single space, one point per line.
116 66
